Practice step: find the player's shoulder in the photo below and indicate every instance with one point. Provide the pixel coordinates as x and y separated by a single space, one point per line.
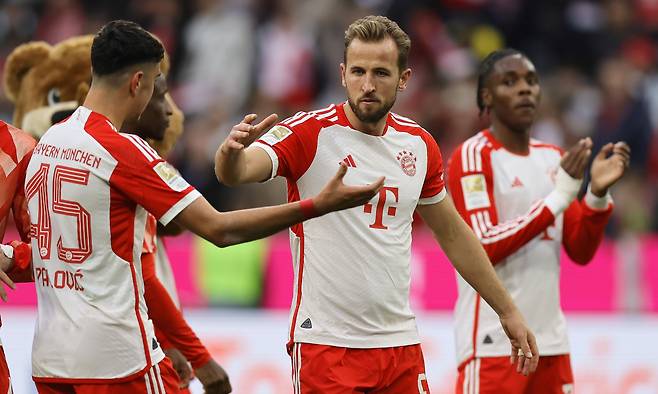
313 120
473 152
407 125
22 141
138 146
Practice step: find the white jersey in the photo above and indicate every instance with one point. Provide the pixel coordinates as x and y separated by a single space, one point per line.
501 196
352 268
87 187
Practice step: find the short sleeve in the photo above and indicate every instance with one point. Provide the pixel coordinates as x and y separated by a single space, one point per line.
434 186
150 181
291 148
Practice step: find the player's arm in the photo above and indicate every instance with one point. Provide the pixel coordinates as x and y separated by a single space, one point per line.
228 228
6 262
469 259
475 202
236 162
585 220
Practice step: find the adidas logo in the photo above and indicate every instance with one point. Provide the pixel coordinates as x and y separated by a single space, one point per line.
349 161
517 182
487 340
307 324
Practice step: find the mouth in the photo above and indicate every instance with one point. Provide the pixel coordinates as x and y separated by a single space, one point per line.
368 100
526 105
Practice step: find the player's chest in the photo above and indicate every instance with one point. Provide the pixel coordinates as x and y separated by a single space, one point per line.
519 181
403 161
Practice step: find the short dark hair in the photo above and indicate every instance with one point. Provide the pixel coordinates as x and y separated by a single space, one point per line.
120 44
374 28
487 66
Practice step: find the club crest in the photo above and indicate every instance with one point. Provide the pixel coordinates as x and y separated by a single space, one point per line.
407 162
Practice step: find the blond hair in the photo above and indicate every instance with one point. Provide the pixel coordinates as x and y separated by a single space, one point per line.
374 28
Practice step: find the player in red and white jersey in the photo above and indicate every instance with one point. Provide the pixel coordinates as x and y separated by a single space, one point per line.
519 196
15 150
351 326
89 188
176 337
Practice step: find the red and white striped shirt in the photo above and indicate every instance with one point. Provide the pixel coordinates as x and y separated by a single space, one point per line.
89 188
352 268
501 195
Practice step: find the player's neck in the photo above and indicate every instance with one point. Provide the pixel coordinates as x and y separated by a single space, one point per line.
103 102
515 141
376 129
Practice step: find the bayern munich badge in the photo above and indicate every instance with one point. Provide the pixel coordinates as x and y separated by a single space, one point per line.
407 162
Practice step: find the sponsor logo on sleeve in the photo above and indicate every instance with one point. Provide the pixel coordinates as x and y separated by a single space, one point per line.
276 135
475 192
171 176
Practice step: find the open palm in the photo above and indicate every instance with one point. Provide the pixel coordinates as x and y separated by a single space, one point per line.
609 166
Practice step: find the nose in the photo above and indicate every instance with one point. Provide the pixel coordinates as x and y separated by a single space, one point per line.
168 108
524 87
368 85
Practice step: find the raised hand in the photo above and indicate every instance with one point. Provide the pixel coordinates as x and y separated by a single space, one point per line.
336 195
213 378
524 346
609 166
244 133
574 161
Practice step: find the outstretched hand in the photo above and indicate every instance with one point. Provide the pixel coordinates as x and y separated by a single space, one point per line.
609 166
336 196
244 133
524 346
574 161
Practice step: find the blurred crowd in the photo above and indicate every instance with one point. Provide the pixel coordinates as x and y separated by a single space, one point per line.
597 62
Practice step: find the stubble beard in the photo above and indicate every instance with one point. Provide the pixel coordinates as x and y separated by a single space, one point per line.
372 117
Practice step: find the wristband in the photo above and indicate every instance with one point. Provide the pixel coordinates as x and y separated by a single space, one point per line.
22 254
308 209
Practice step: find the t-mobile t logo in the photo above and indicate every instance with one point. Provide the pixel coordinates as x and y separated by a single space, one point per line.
381 204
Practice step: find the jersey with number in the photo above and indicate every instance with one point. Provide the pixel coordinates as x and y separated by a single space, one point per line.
352 268
89 188
501 196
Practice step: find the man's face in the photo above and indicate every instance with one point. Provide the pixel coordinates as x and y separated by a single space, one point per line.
513 92
155 118
371 78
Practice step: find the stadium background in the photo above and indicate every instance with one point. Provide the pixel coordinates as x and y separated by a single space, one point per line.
598 66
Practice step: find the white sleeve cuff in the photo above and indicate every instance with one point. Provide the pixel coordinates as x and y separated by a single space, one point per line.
433 199
273 157
598 203
179 206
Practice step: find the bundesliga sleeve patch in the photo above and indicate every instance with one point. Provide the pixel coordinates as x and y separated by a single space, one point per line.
276 135
171 176
475 192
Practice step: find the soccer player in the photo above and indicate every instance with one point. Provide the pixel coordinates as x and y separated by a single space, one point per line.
88 189
351 326
518 194
15 150
172 331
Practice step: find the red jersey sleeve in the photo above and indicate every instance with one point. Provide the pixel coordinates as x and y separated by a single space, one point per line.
433 189
471 184
148 180
291 145
583 229
168 319
19 204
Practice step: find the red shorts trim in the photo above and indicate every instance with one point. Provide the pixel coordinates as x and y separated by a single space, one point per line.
160 379
333 370
5 380
494 375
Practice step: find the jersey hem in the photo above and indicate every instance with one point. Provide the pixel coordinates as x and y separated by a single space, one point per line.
179 206
358 344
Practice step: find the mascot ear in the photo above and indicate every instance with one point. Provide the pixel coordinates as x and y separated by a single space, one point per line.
19 63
